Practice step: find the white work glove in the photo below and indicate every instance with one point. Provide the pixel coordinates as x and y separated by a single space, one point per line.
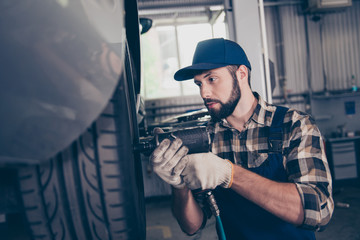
167 161
207 171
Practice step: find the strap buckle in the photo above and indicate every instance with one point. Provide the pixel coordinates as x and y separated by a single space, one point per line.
275 146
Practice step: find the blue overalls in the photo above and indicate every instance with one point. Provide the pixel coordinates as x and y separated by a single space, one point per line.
243 219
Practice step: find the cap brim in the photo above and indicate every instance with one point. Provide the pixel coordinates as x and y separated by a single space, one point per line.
190 71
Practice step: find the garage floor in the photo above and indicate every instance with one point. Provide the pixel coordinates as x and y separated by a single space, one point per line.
345 224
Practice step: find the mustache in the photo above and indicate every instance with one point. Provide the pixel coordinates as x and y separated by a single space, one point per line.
210 100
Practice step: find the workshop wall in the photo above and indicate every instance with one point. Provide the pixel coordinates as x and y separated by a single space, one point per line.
333 40
339 120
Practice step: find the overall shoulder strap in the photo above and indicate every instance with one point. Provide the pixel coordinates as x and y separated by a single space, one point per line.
276 131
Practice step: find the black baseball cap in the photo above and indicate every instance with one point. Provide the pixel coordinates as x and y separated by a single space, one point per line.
211 54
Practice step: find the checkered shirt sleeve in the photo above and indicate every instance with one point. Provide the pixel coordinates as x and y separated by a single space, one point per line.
307 167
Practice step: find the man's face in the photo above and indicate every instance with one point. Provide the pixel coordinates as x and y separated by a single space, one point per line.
220 91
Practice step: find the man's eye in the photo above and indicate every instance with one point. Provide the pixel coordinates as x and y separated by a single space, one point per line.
211 79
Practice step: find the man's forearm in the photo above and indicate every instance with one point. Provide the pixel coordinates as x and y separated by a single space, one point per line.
281 199
186 210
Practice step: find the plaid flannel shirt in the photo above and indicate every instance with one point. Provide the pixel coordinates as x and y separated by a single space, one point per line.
304 157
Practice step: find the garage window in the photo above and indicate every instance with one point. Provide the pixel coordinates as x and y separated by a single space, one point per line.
167 48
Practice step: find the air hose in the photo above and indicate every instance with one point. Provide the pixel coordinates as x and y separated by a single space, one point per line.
216 212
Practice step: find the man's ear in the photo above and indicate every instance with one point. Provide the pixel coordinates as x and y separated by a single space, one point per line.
242 74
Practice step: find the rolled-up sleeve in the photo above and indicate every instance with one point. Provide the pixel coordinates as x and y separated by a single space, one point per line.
307 166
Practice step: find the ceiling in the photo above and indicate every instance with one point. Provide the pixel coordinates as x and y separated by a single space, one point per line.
180 11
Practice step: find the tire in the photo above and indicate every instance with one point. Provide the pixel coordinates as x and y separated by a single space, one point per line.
94 188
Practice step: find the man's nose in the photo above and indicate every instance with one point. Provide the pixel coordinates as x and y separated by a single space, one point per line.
205 91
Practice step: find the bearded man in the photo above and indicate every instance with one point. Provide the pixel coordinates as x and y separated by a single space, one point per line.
267 167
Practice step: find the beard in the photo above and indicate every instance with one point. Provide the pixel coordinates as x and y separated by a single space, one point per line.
227 108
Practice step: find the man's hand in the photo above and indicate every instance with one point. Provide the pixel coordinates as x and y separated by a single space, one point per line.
166 161
207 171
